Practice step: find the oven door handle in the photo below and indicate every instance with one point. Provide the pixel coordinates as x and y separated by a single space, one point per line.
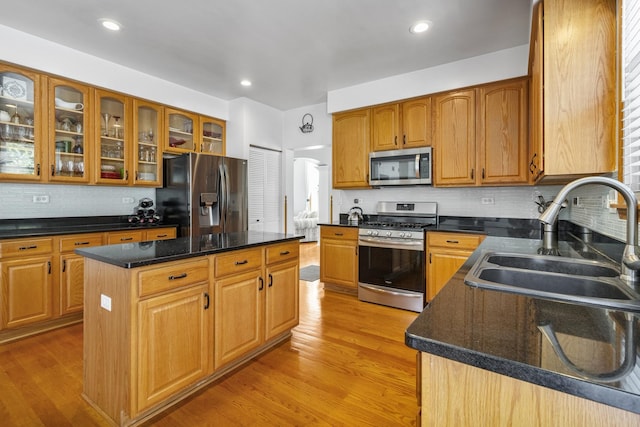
412 245
388 292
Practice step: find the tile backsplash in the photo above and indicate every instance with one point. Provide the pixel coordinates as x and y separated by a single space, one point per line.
17 200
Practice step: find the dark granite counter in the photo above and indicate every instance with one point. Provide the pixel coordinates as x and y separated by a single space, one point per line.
131 255
500 332
31 227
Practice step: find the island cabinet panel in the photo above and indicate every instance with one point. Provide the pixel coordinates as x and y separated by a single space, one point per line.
457 394
282 298
168 365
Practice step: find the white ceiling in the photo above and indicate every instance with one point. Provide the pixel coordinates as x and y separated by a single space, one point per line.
293 51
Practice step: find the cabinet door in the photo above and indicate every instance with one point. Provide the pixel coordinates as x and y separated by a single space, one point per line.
180 127
166 366
385 127
339 262
68 131
502 133
350 151
160 234
71 283
112 118
282 298
147 131
117 237
239 327
536 159
443 263
416 123
21 139
454 138
26 288
212 136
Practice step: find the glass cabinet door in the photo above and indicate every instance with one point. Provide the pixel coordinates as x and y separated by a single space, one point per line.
67 131
180 131
112 122
146 134
20 124
212 136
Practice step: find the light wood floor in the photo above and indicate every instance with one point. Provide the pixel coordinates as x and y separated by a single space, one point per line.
346 365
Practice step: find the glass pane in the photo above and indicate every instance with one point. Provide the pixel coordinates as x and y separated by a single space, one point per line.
69 132
147 144
17 127
180 131
112 139
211 138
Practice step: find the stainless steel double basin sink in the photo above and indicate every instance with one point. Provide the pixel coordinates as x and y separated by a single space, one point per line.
555 278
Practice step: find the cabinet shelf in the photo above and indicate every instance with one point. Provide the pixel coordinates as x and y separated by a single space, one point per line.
112 159
18 102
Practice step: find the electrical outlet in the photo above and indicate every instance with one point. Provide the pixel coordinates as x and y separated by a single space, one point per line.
488 201
105 302
128 200
356 201
41 199
577 202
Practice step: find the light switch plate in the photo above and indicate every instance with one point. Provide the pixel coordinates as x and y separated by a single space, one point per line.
105 302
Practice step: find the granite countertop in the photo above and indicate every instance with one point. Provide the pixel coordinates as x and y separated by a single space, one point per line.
32 227
499 332
132 255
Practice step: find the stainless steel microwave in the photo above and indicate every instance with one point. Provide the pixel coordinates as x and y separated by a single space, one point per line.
400 167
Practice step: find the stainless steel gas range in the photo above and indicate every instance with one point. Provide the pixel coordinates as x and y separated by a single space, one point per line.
391 258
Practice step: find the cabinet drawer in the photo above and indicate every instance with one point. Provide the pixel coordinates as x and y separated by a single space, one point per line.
116 237
25 247
350 233
237 261
176 275
282 252
160 234
78 241
454 240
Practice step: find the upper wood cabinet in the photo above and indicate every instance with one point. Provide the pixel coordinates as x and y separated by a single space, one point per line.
148 129
350 150
69 131
188 132
402 125
454 130
573 102
501 133
112 115
21 124
211 133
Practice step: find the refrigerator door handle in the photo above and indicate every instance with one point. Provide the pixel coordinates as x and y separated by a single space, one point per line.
224 181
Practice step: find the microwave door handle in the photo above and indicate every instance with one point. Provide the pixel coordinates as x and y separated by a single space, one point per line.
417 166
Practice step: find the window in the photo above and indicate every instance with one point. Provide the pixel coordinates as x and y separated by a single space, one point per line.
631 92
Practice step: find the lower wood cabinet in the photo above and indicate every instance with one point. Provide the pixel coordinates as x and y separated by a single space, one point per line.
446 252
339 256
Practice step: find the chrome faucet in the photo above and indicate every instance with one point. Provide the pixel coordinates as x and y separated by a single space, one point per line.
630 263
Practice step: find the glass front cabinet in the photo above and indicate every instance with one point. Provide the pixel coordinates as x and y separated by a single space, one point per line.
21 149
147 131
112 120
180 126
69 132
212 136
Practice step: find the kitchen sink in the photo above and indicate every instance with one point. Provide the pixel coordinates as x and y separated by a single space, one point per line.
549 277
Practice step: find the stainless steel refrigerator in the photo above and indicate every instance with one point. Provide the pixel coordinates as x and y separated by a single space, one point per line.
204 194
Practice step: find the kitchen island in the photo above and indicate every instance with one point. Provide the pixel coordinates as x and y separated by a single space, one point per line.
484 360
163 319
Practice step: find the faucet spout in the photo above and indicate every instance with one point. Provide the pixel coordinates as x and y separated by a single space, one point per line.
630 265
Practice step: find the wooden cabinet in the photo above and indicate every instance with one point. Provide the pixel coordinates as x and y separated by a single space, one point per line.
501 133
401 125
69 132
22 146
126 236
187 132
148 129
446 252
256 298
339 256
455 138
71 269
350 149
573 103
113 118
163 233
26 282
212 135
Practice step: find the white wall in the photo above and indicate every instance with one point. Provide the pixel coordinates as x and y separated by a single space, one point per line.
500 65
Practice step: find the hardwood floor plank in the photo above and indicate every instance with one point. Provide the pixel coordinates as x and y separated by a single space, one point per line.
345 365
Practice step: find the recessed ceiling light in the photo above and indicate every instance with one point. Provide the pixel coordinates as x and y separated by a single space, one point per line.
420 27
245 82
110 24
